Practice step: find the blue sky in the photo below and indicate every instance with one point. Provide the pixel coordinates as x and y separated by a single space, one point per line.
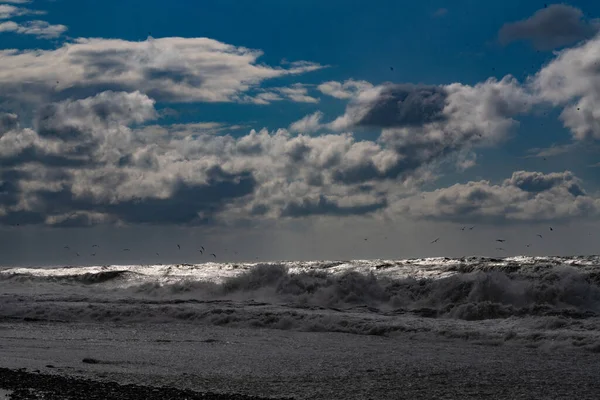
356 39
454 99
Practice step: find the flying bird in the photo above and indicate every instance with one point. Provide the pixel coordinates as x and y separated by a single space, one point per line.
201 252
126 250
435 241
157 254
471 228
95 245
93 254
202 248
541 237
527 245
391 68
463 228
179 247
551 229
77 254
214 255
501 240
66 247
500 249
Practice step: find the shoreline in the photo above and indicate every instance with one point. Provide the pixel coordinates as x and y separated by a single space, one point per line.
25 385
187 361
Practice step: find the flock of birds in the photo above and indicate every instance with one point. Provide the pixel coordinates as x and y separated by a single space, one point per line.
201 250
497 240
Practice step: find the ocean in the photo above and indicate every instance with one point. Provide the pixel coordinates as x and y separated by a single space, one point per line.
232 315
499 298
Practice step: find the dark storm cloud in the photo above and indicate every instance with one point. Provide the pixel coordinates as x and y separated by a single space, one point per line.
186 205
8 122
68 171
424 125
22 218
9 187
536 182
324 206
174 74
38 156
405 105
556 26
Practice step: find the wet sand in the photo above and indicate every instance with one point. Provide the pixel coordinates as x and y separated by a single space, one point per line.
301 365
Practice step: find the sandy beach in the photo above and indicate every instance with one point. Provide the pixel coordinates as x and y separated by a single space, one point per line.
284 364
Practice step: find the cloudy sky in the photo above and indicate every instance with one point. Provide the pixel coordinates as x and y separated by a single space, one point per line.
297 129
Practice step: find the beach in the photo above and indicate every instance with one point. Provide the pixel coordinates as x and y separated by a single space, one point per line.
386 329
283 364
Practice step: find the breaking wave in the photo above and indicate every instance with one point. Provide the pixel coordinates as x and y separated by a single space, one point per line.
448 296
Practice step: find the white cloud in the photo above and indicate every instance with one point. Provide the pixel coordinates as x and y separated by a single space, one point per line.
345 90
8 11
84 162
298 93
425 124
551 151
525 197
309 124
167 69
572 80
41 29
82 156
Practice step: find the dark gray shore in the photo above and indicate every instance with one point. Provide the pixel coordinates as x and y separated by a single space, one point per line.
282 364
23 385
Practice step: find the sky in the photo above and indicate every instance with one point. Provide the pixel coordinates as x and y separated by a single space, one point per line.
297 130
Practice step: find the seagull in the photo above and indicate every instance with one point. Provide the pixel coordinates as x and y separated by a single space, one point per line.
551 229
463 228
471 228
202 248
126 250
214 255
527 245
500 249
540 236
501 240
179 247
201 252
434 241
93 254
95 245
66 247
